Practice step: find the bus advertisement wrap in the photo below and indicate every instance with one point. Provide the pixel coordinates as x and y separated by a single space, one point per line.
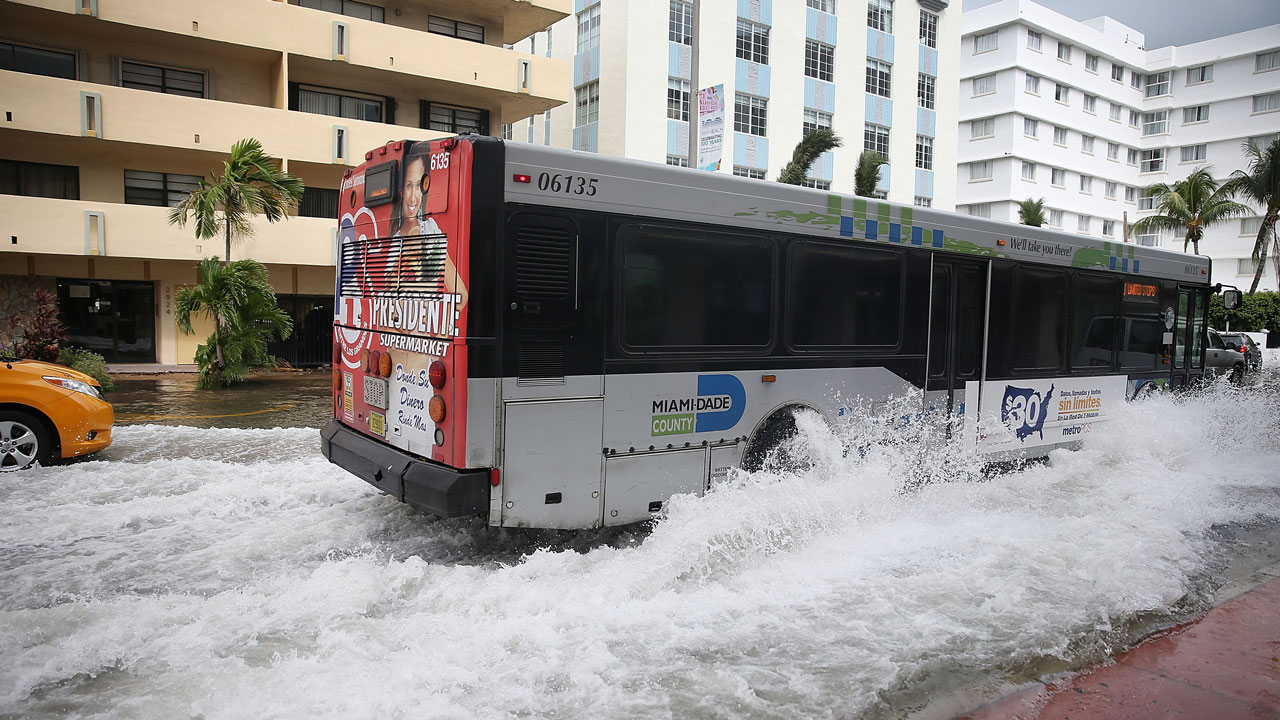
402 297
1031 413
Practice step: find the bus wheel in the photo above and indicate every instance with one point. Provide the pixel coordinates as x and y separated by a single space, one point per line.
773 445
1237 374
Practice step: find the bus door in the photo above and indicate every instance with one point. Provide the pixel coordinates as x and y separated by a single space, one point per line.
551 420
957 327
1189 336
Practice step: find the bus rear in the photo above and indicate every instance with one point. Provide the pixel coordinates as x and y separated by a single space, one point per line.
400 328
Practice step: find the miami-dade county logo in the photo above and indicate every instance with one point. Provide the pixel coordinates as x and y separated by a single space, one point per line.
1024 410
719 405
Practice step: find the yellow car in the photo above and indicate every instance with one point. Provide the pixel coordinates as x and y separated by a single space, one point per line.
49 412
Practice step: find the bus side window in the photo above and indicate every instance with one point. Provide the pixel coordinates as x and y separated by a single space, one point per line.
1093 313
1037 311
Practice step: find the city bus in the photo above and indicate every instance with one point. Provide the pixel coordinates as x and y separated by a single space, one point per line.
557 339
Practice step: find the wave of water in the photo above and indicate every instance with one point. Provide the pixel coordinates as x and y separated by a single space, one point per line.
235 573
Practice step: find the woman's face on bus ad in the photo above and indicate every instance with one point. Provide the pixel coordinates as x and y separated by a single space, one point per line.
412 202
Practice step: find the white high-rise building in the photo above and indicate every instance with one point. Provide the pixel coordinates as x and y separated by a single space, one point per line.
881 73
1082 115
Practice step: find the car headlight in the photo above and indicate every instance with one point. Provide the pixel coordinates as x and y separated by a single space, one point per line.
72 384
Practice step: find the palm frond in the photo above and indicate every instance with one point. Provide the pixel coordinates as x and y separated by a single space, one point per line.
806 153
867 175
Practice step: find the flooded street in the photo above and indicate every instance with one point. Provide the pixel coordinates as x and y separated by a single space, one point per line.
232 572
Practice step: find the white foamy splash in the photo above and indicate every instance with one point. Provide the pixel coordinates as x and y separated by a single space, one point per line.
235 573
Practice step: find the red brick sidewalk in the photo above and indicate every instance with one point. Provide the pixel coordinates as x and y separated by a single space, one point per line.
1224 666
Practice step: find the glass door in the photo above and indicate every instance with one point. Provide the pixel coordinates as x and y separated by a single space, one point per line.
114 318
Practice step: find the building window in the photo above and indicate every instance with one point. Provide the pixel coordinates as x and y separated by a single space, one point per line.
1059 136
339 104
924 152
876 139
680 22
1245 266
1086 144
37 61
350 8
1055 218
1091 63
1117 72
1030 127
879 77
678 99
815 120
1113 151
1082 223
819 60
922 201
454 118
1264 141
1250 226
162 189
880 15
1135 80
1086 184
1033 85
1034 40
1109 190
1114 112
816 184
1149 240
925 90
826 6
460 30
980 171
1108 228
1158 84
1130 193
1091 104
1064 51
161 79
982 85
1131 157
982 210
986 42
1135 118
753 42
319 202
1147 202
750 114
505 129
679 161
1266 61
1198 113
589 28
1197 75
747 172
928 29
1152 160
1062 93
1028 171
1266 103
1195 153
1154 123
586 104
39 180
982 128
1058 177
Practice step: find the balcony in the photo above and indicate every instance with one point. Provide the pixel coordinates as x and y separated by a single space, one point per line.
50 226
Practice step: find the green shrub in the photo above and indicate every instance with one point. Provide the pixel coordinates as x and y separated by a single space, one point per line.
88 362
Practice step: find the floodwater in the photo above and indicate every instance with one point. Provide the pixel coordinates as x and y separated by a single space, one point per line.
232 573
265 400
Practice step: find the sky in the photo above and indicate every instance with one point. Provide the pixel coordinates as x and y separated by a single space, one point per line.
1170 22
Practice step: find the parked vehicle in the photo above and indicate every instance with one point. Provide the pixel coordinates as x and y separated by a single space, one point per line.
49 412
1243 344
1221 359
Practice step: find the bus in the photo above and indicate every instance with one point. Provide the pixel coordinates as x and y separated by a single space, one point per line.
557 339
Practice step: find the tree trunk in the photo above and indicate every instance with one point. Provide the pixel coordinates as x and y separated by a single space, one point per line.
1268 227
226 259
217 343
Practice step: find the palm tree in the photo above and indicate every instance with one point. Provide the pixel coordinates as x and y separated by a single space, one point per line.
806 154
239 299
1190 205
251 183
867 176
1031 212
1261 185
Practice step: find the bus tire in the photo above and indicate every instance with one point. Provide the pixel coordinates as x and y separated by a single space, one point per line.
1237 374
771 444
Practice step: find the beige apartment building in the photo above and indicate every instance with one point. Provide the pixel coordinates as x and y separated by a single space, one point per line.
112 109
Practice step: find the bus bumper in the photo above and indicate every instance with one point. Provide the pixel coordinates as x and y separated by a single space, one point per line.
428 486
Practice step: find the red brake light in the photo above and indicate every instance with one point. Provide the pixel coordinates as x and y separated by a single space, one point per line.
521 178
437 374
494 477
1243 349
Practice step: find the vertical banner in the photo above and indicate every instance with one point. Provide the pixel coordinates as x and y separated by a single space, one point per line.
710 127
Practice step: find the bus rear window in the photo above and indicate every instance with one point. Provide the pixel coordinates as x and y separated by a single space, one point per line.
690 290
841 296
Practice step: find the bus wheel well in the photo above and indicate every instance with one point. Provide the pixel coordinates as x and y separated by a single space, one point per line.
770 437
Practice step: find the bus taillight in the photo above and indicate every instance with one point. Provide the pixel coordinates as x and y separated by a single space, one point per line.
436 375
435 408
